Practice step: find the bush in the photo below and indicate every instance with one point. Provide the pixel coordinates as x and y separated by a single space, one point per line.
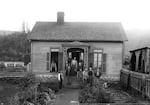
32 92
2 66
29 80
11 80
28 90
49 81
94 94
52 85
45 97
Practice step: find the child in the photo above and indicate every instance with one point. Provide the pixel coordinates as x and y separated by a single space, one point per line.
80 75
60 79
85 75
68 75
90 74
98 73
79 69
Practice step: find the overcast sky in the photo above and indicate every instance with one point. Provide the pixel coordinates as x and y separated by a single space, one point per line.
132 13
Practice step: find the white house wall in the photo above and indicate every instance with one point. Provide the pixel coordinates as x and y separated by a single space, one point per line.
113 51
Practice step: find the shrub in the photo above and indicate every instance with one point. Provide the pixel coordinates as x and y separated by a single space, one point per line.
52 85
32 92
28 90
14 100
94 94
27 81
2 67
49 81
45 97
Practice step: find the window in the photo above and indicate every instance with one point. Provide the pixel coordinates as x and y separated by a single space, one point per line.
19 65
10 65
97 58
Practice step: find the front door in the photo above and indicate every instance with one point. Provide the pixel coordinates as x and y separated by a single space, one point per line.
74 57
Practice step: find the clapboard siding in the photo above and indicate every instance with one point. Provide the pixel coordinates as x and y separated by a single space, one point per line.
112 50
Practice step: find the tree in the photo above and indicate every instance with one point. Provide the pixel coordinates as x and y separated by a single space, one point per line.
14 47
25 28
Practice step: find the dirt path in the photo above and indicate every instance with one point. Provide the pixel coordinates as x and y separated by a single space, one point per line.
67 97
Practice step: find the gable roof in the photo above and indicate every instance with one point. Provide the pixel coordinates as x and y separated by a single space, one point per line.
78 31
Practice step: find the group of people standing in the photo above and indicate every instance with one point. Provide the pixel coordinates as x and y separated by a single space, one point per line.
89 74
74 68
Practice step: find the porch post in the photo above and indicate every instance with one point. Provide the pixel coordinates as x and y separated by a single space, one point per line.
64 56
86 57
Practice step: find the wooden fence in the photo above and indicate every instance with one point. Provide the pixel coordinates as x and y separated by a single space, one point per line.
135 81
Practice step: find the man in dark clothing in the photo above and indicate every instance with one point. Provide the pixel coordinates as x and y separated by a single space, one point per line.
73 67
90 74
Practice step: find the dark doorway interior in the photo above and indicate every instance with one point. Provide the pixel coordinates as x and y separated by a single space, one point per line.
54 57
77 55
76 52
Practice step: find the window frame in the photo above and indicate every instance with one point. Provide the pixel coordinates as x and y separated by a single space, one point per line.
53 51
96 51
50 51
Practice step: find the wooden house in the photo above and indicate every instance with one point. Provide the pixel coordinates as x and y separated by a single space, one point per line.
98 44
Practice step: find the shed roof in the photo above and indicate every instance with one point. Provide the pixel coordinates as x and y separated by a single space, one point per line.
78 31
138 49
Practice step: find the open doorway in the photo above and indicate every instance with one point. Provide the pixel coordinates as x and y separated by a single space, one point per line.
75 60
77 53
54 58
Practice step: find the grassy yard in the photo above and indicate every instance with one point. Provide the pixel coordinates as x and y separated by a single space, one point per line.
6 91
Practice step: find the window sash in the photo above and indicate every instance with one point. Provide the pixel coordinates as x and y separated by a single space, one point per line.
98 58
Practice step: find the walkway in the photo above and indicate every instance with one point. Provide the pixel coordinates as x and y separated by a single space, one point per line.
67 97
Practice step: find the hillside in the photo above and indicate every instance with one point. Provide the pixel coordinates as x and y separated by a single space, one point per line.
14 47
137 39
4 32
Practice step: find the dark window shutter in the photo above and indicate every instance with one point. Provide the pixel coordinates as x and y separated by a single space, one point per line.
60 61
91 59
104 62
47 61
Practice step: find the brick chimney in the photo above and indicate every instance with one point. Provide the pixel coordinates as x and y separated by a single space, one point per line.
60 17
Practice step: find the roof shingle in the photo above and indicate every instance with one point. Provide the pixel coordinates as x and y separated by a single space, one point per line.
78 31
